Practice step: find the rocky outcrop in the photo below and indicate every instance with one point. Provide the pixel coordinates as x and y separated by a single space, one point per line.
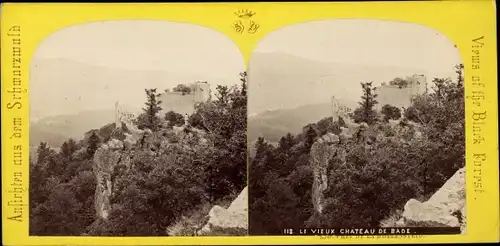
106 158
233 220
327 149
109 155
123 142
350 127
408 131
446 208
322 151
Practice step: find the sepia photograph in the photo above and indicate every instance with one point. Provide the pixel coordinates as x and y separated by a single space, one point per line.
138 128
355 123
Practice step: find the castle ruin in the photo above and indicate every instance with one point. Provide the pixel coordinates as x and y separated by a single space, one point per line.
339 110
177 101
122 115
184 103
401 95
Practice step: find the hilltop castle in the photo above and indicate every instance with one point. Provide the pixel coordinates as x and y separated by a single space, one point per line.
401 95
184 102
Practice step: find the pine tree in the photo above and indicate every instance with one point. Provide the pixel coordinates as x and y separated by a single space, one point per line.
366 112
42 151
390 112
69 147
243 79
341 122
287 142
93 144
222 95
260 148
152 109
459 70
310 137
174 119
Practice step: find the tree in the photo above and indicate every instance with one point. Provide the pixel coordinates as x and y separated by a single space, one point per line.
366 112
222 95
184 89
325 125
287 142
42 151
174 119
401 83
195 120
69 147
149 119
310 137
391 112
341 122
439 84
243 79
368 180
459 70
224 119
93 144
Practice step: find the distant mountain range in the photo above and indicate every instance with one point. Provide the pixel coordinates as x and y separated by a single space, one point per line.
279 80
60 88
56 129
274 124
63 86
287 92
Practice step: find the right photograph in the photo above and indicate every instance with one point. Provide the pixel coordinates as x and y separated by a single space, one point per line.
356 123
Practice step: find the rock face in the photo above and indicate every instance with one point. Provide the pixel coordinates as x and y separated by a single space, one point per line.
446 208
106 158
234 218
327 148
322 151
110 154
118 150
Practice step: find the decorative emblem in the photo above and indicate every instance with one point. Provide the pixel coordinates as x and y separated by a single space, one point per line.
245 23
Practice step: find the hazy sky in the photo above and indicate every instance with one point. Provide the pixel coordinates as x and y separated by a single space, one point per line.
135 44
127 49
369 42
397 48
116 60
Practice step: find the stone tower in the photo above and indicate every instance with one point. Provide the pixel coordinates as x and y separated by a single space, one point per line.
202 92
117 115
335 108
401 97
418 84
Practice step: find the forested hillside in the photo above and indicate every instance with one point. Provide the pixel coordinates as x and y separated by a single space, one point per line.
144 177
359 171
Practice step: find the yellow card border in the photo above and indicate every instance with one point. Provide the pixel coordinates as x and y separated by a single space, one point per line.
461 21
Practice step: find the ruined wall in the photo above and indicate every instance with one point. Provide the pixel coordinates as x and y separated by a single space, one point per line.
394 96
122 115
175 101
184 104
339 110
401 97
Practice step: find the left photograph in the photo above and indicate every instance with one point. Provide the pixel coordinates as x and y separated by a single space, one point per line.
138 128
